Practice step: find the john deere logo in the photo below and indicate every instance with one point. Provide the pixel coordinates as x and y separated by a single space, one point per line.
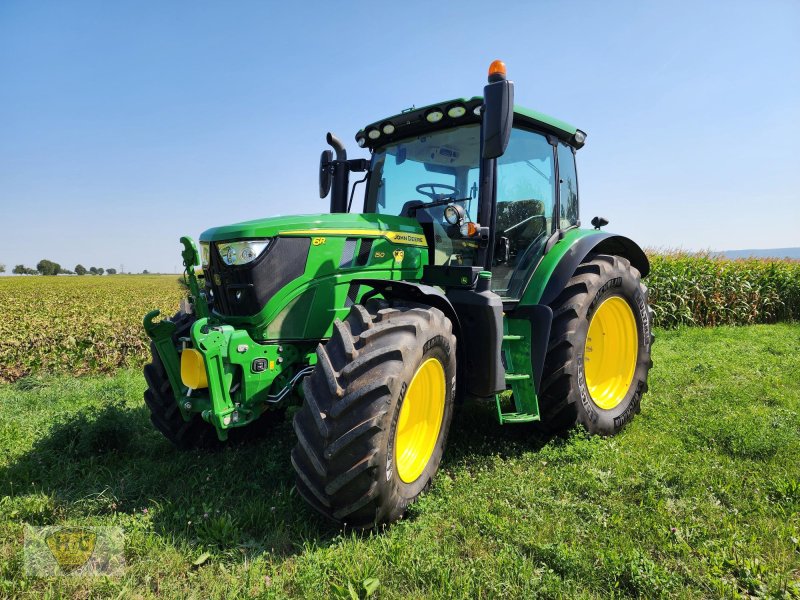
71 547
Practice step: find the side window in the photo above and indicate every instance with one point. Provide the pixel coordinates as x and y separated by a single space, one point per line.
525 203
568 186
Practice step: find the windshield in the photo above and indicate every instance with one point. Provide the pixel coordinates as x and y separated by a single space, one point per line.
420 176
448 158
436 169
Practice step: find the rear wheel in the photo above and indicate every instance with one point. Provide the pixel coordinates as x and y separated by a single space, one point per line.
598 356
373 427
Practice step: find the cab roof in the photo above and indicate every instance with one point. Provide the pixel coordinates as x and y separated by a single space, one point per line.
415 121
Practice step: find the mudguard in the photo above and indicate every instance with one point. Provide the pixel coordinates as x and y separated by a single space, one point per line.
414 292
424 294
598 243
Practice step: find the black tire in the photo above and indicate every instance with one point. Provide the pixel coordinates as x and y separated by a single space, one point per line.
344 457
564 398
166 416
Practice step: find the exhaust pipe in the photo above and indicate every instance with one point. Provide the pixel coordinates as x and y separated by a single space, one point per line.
341 175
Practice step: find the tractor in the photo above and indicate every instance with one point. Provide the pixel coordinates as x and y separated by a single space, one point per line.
466 276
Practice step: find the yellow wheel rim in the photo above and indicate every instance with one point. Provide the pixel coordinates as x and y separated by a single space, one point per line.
609 358
420 420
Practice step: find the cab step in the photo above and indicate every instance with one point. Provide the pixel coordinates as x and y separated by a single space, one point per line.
519 377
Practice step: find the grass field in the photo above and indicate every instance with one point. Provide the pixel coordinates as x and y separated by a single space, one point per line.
698 497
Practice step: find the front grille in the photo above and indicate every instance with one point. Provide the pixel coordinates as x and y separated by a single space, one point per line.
242 291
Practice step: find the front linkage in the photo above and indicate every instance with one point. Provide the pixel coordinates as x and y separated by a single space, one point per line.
220 372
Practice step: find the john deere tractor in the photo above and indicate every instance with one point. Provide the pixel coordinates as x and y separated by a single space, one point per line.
466 275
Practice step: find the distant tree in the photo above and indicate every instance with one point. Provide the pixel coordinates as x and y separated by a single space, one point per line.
2 268
93 270
145 272
100 270
80 270
66 272
48 267
111 271
23 270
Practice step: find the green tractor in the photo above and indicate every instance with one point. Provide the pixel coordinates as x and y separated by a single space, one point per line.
467 275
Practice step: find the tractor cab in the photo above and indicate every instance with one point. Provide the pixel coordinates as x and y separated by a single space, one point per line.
434 177
482 207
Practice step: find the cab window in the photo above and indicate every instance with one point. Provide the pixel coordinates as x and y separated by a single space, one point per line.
568 186
525 205
423 171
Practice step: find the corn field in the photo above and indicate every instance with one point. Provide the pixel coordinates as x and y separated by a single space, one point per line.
698 289
80 325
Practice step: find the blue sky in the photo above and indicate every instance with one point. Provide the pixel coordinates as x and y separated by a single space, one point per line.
124 125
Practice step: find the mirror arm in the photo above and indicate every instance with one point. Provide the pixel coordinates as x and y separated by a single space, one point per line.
358 165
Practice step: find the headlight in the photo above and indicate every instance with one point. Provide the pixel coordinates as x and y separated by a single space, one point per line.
241 253
205 255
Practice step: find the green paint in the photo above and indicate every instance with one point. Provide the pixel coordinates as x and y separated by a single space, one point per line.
261 228
548 264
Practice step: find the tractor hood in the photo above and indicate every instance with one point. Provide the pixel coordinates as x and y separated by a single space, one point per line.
354 225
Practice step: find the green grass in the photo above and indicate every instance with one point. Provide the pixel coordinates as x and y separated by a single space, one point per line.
698 497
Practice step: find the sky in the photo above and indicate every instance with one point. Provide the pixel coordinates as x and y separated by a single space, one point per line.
124 125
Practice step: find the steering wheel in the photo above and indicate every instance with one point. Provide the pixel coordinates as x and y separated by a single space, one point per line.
449 190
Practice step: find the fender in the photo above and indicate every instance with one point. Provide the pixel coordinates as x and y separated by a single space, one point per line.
566 261
423 294
414 292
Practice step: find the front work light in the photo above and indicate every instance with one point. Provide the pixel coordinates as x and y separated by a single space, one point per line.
388 128
457 110
434 116
454 214
241 253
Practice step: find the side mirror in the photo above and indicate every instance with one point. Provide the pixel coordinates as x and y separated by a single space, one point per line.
325 176
599 222
498 112
503 251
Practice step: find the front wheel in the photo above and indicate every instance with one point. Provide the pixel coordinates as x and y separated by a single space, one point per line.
377 409
598 357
